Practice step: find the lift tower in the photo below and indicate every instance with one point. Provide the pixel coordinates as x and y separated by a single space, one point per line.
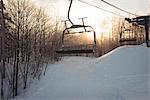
144 21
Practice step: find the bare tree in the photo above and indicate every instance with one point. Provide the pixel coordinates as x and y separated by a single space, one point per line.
29 45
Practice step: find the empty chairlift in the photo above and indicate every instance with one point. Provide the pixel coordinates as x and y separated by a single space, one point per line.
73 47
128 35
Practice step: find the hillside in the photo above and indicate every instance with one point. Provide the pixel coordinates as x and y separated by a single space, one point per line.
123 74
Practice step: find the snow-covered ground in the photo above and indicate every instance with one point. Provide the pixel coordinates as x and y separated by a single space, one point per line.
123 74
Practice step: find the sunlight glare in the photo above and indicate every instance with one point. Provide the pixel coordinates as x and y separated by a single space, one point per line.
94 17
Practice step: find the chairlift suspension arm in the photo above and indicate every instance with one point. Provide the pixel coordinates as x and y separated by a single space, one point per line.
69 12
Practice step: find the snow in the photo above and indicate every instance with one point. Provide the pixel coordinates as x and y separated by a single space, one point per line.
122 74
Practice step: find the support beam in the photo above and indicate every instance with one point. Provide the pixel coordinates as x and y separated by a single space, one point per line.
147 31
144 21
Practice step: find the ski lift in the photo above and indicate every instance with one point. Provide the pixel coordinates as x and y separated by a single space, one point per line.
128 35
76 29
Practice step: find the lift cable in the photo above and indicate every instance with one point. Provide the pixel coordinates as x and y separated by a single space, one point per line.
118 8
102 9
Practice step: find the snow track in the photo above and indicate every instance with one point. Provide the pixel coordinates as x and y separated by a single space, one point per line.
123 74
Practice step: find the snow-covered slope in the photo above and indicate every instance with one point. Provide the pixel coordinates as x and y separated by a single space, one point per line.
123 74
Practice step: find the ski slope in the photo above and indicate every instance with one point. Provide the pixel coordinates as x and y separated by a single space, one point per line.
123 74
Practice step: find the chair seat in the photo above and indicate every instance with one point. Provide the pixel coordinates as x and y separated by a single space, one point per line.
74 51
127 40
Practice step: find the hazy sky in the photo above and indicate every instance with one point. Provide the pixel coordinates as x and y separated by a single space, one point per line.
101 20
134 6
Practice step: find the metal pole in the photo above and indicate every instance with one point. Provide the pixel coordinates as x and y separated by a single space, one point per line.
69 12
83 22
147 31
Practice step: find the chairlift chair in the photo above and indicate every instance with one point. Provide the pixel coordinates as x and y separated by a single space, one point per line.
77 49
128 36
